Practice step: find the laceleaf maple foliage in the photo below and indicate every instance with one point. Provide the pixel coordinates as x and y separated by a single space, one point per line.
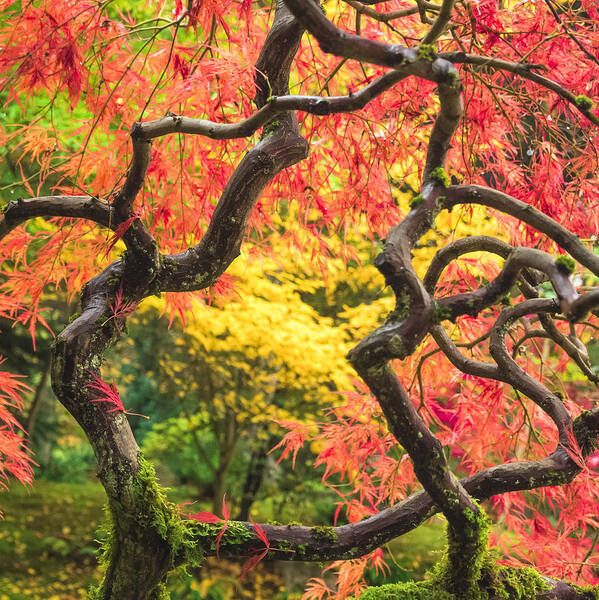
14 458
191 124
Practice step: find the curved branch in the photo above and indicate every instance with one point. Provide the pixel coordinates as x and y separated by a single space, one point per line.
585 304
472 303
333 40
525 70
476 194
520 379
571 345
78 207
425 450
275 105
136 175
300 543
440 22
141 555
281 146
455 249
458 360
201 266
530 335
76 358
386 17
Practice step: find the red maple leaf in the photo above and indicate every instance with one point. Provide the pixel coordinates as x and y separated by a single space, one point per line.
208 517
119 232
573 448
119 308
292 441
258 555
110 395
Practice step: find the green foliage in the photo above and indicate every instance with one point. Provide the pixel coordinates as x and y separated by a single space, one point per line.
69 464
412 554
173 443
47 540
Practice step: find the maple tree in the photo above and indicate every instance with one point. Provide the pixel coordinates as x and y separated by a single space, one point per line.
482 103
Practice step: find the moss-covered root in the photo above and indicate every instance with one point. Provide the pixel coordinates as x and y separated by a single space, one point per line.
466 556
466 572
496 583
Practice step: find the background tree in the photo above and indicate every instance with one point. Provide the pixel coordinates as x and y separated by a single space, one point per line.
237 370
117 70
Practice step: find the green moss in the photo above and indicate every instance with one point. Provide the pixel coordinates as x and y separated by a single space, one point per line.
426 52
270 127
452 77
460 571
467 572
406 591
160 593
586 432
402 309
565 263
164 519
94 593
74 316
584 102
440 176
236 533
147 509
285 546
321 532
441 313
396 346
416 201
589 592
517 584
495 582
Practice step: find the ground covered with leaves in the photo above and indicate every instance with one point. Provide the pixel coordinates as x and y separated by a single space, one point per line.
47 547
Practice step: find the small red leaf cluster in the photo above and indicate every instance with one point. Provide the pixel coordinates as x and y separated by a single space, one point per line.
109 394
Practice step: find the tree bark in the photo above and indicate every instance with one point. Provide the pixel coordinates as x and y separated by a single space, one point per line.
254 477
